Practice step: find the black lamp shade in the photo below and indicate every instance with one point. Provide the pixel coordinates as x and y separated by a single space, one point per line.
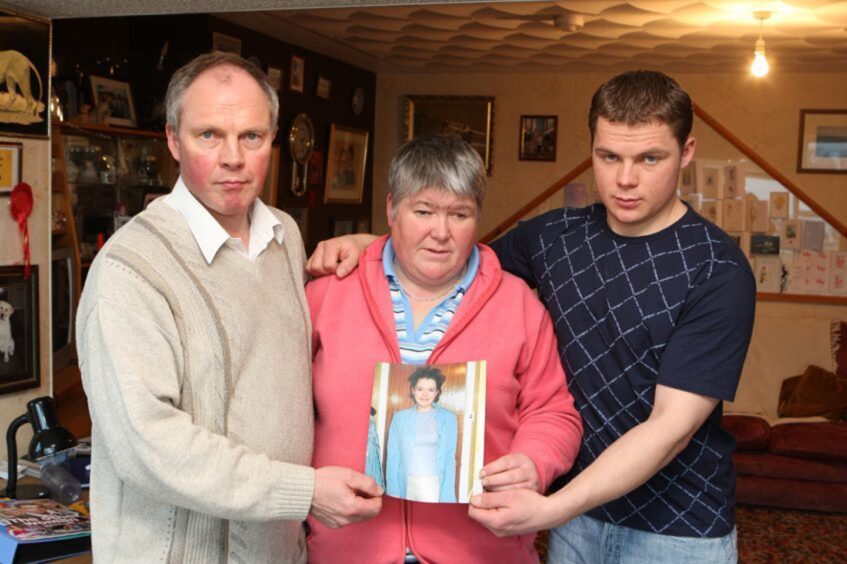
49 437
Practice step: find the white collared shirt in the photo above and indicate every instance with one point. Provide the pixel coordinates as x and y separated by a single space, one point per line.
210 236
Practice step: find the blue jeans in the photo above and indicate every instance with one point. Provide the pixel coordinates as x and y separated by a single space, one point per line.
586 540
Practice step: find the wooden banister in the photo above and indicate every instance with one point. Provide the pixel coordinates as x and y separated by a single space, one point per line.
537 201
723 132
770 170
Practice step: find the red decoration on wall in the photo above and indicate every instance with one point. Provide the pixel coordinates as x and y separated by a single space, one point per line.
21 207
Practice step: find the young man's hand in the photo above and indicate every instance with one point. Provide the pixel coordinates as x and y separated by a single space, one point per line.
512 512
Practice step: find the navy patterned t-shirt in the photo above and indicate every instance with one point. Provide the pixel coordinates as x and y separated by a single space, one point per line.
673 308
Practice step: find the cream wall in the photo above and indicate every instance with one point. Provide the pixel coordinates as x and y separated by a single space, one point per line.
763 114
36 172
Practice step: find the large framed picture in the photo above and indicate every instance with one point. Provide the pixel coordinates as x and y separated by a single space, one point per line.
118 96
823 141
345 167
10 165
469 117
538 138
24 76
19 354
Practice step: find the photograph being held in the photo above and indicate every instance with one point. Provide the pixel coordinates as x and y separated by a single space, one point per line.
421 459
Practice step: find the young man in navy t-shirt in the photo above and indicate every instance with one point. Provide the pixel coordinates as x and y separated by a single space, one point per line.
653 308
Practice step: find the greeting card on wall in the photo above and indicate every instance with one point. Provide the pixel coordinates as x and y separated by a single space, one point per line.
816 266
733 181
733 215
790 233
768 272
812 236
757 215
712 210
838 273
779 205
764 245
707 181
795 273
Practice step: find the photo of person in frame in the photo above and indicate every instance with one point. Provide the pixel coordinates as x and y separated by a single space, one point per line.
421 459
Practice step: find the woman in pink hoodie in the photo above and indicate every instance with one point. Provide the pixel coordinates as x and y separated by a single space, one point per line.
429 294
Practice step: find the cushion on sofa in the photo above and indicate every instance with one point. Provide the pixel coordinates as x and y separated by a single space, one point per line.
751 433
823 441
817 392
788 467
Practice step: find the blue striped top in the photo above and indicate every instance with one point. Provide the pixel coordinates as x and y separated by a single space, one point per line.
416 346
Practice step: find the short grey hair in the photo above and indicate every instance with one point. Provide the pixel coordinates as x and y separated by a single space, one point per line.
188 73
443 162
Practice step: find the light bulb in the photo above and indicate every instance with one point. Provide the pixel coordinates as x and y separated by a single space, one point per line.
760 64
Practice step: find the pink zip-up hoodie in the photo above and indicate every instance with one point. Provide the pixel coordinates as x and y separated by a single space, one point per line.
528 407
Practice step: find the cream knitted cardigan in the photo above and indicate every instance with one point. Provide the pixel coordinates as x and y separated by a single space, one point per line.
198 380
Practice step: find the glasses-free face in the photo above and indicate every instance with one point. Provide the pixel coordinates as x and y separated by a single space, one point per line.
636 169
223 144
433 233
425 391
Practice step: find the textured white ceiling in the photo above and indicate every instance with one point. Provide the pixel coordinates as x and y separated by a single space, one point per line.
672 35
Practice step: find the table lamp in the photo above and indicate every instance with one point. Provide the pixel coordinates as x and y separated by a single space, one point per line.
49 438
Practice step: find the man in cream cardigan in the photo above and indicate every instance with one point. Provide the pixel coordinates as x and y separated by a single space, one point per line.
193 338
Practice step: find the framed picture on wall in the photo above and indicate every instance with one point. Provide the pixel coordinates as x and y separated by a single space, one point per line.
297 73
24 76
345 167
275 77
823 141
324 87
19 350
538 138
115 97
11 160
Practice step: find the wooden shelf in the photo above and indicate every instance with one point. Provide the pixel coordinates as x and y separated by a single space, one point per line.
93 128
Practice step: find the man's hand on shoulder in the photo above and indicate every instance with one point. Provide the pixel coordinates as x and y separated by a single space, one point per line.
338 255
344 496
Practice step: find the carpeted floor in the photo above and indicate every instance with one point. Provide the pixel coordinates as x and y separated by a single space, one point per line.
780 536
786 536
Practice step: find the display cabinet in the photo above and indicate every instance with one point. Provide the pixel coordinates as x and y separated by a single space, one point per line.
102 176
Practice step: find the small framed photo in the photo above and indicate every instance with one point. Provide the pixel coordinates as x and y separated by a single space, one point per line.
538 138
275 77
823 141
324 86
297 73
345 167
225 43
117 96
19 347
11 160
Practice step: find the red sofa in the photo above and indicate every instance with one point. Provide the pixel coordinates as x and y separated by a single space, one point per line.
790 465
788 454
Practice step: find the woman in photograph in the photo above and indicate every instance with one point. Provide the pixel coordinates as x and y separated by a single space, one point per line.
427 294
421 460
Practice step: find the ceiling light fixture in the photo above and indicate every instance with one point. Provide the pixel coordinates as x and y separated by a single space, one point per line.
760 65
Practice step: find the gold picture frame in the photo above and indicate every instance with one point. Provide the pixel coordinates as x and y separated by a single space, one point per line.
345 165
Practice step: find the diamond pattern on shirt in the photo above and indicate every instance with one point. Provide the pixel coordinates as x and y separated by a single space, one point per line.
615 303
